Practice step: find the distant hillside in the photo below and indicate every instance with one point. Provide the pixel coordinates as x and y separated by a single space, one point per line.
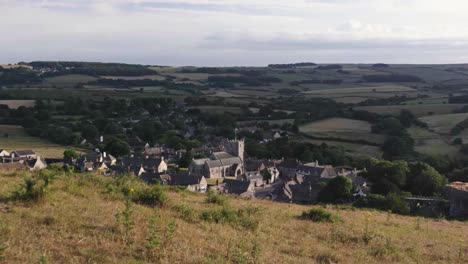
80 218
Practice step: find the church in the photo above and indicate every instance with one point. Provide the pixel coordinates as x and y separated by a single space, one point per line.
228 163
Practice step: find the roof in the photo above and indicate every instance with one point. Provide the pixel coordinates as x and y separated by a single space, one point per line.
236 186
459 186
214 163
291 164
252 165
27 152
200 162
185 180
221 155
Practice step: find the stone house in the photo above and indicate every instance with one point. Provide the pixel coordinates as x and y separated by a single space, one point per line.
457 193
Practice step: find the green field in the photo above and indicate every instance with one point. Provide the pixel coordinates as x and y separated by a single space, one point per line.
443 124
70 79
417 110
342 128
431 143
18 139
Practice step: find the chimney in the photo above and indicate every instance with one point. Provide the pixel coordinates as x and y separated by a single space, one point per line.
105 154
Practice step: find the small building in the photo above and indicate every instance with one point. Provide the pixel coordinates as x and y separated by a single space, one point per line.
457 193
24 154
35 164
4 153
243 188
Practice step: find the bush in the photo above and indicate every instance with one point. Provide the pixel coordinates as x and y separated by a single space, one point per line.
153 196
243 217
393 201
318 215
337 190
214 198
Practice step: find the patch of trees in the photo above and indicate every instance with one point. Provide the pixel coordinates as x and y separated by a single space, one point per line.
292 65
461 99
337 190
380 65
288 149
120 83
309 109
55 133
18 75
391 78
230 81
215 70
287 91
395 100
330 67
91 68
418 178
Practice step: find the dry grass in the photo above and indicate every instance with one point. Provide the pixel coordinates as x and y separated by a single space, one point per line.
76 224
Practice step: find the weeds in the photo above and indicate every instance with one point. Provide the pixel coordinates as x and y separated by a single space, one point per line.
186 212
43 260
125 221
153 196
214 198
156 241
242 217
460 251
368 235
318 215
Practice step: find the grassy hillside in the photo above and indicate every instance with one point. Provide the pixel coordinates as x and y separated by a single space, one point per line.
74 221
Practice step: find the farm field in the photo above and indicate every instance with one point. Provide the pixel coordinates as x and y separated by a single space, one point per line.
369 89
18 139
431 143
70 79
353 148
218 109
417 110
15 104
129 78
442 124
342 128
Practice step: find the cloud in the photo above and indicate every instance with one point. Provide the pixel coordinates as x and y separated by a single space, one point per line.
226 32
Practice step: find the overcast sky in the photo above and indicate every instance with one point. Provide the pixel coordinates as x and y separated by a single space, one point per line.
234 32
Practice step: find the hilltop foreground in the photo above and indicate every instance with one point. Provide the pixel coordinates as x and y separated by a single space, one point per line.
57 217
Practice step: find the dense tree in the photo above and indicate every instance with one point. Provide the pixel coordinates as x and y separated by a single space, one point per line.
70 153
387 176
423 179
117 147
186 159
337 190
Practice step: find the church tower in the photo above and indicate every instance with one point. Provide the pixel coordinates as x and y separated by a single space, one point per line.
236 148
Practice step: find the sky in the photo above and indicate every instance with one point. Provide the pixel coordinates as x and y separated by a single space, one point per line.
235 32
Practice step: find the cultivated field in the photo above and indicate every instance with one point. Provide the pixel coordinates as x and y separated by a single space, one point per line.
70 79
443 124
15 104
76 223
18 139
431 143
342 128
417 110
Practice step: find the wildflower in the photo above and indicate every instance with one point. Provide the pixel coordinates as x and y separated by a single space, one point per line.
132 190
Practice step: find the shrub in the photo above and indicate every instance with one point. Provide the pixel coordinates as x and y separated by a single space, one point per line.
243 217
318 215
337 190
215 198
186 212
153 196
30 190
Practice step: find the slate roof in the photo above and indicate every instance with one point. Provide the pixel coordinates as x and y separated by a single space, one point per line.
290 164
221 155
236 186
27 152
252 165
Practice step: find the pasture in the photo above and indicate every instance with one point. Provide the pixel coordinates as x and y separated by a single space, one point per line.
417 110
442 124
18 139
342 128
15 104
431 143
70 79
